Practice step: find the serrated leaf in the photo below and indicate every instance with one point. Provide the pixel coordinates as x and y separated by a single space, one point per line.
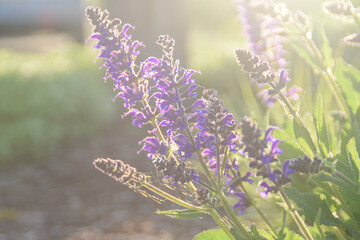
303 138
288 145
349 191
326 49
310 203
289 235
212 235
330 236
305 53
254 232
353 160
182 213
322 177
320 127
348 79
265 235
236 234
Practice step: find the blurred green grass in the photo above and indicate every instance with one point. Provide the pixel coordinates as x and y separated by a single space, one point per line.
49 101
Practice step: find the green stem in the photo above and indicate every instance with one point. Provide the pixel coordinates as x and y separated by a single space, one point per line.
221 224
171 197
328 76
160 134
339 234
343 204
238 226
262 215
252 203
232 215
296 216
292 110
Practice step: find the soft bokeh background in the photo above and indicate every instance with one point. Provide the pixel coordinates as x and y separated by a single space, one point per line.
57 115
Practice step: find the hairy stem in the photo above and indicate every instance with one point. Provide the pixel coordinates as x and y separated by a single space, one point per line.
238 226
221 223
296 216
171 197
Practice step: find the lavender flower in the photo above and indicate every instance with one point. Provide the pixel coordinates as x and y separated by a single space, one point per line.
261 73
262 153
339 9
258 69
242 203
306 165
263 22
178 172
121 172
353 40
268 189
202 195
251 26
181 119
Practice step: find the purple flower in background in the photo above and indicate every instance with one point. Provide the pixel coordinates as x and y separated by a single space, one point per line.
251 26
263 24
268 189
242 203
262 153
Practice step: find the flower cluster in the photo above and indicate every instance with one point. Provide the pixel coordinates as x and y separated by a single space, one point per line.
262 22
120 171
202 195
160 92
338 9
120 52
263 152
258 69
261 73
178 172
306 165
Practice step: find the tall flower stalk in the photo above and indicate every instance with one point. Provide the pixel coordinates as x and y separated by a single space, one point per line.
189 124
161 93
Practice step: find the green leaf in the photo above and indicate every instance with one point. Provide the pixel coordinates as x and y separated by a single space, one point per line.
264 235
353 160
211 235
320 127
288 145
303 138
289 235
182 213
348 79
317 230
330 236
311 203
236 234
305 53
254 232
326 49
348 186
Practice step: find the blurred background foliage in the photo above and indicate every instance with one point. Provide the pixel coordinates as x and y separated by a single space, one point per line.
216 31
50 100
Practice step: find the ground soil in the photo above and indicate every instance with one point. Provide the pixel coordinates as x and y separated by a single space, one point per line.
66 198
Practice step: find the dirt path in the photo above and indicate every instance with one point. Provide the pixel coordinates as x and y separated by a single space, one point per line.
66 198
